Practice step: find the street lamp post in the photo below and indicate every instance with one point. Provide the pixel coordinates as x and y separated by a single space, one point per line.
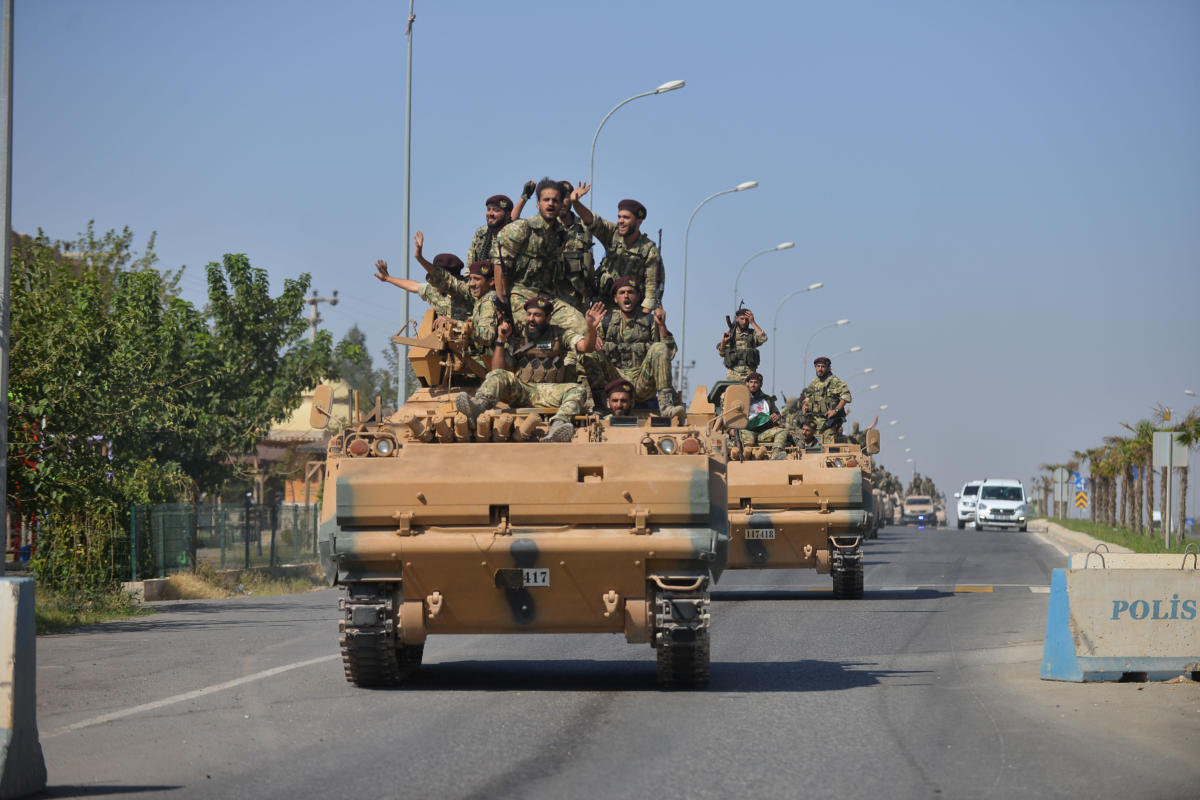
776 248
741 187
775 325
669 86
839 323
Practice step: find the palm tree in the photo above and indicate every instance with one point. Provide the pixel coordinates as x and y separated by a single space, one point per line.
1189 437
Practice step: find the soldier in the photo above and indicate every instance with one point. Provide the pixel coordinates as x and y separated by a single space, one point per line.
528 255
635 345
628 253
739 345
618 398
576 280
444 304
825 398
544 357
498 213
765 426
808 435
478 289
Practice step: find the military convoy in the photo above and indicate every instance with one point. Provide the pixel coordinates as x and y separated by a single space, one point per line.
436 526
810 510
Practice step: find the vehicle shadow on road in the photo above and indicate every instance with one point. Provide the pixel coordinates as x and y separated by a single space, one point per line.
95 790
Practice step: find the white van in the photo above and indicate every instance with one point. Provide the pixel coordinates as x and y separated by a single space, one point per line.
1001 504
967 498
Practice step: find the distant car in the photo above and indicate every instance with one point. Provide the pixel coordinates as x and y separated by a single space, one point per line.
967 498
918 510
1001 505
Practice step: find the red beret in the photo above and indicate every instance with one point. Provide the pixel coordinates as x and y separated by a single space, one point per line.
539 302
823 360
618 385
449 262
499 201
754 376
485 268
623 282
634 207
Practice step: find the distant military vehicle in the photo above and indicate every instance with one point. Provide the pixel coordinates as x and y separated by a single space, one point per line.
810 510
918 510
435 526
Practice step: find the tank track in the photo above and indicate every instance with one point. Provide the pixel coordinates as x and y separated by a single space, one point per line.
846 567
681 637
373 654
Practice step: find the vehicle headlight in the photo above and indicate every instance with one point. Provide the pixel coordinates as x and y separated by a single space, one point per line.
982 507
666 445
383 447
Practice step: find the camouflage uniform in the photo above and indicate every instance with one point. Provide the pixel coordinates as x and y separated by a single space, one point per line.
641 261
545 371
483 312
531 251
764 432
822 397
632 350
741 355
576 279
444 304
480 248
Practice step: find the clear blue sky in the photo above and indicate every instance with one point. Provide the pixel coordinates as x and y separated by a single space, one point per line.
1003 197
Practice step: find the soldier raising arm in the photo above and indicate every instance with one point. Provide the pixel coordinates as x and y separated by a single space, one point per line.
628 253
443 303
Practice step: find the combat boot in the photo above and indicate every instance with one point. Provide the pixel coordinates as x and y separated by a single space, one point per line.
560 431
668 406
472 407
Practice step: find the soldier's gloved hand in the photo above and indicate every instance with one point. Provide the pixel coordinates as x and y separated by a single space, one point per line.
527 191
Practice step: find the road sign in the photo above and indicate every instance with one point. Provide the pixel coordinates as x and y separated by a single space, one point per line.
1060 478
1081 500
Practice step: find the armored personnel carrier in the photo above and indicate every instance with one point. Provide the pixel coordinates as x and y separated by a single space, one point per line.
809 510
436 526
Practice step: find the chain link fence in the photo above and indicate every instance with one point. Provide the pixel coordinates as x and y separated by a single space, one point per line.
227 536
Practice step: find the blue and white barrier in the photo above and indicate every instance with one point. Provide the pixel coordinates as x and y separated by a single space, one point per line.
22 768
1112 614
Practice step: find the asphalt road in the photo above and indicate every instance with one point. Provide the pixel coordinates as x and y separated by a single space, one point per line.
928 687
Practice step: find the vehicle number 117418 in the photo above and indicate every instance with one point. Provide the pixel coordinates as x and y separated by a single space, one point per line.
760 533
537 576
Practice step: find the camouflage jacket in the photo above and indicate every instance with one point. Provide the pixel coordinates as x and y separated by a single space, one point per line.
550 358
626 341
743 350
481 245
640 261
576 277
483 311
822 396
444 304
531 250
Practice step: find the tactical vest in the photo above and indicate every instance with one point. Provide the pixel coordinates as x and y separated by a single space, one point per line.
544 359
741 357
626 354
621 264
576 280
536 266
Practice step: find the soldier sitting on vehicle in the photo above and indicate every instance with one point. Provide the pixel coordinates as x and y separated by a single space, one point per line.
825 398
444 304
628 253
739 345
536 368
498 212
478 290
766 425
635 345
618 398
808 435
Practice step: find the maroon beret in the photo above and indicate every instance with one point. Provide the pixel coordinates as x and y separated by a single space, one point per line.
449 262
634 207
823 360
539 302
485 268
566 187
499 201
618 385
620 283
754 376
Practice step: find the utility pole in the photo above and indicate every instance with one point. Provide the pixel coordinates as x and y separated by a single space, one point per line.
314 319
6 84
408 34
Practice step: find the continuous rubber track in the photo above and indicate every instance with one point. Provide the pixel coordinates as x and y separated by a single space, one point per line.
848 584
684 665
372 654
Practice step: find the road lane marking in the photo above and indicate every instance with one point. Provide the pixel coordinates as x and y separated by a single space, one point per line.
192 695
1040 589
968 588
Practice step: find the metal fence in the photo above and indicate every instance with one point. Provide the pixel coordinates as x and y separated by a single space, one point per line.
227 536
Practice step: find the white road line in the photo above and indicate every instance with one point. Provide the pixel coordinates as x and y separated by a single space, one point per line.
179 698
1040 589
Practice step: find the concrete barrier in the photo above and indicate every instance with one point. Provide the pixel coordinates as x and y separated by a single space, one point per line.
1116 615
22 768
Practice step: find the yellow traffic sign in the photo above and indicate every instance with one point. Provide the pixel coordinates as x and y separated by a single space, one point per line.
1081 500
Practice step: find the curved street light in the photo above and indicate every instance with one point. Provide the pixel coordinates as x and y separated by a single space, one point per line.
851 351
1189 392
837 324
873 387
776 248
741 187
775 324
883 407
669 86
